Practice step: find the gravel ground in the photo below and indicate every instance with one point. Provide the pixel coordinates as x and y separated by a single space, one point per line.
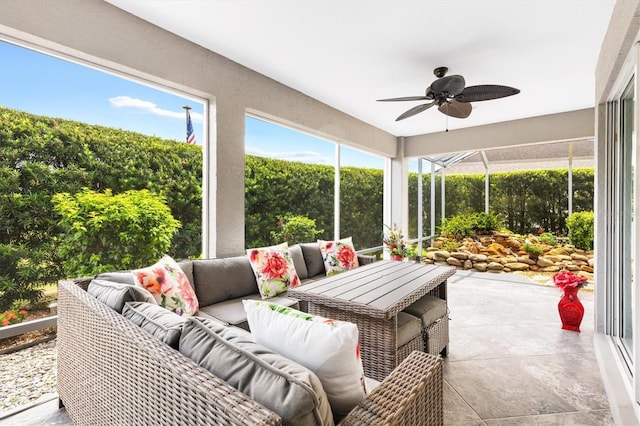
27 375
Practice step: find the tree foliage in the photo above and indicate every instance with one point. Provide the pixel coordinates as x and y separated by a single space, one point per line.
106 232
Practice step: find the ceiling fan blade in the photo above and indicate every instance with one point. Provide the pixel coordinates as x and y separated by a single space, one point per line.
452 85
455 109
406 98
485 92
415 110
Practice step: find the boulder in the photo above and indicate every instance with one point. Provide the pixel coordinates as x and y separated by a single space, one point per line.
544 262
441 255
495 266
478 257
467 264
525 259
517 266
558 250
497 249
480 266
580 257
454 262
459 255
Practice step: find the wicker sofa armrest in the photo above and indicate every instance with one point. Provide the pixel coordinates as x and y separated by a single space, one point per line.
365 259
110 372
410 395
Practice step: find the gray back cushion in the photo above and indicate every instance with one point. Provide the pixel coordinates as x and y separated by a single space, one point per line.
295 251
217 280
115 295
156 320
313 259
286 388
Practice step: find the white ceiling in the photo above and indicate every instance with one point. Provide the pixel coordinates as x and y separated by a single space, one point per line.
348 53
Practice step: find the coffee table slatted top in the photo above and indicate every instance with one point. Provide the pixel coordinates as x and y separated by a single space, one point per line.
380 289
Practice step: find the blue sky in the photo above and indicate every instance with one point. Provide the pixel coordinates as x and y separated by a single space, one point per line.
44 85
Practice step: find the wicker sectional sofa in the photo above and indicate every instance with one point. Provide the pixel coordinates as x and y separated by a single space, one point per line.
111 371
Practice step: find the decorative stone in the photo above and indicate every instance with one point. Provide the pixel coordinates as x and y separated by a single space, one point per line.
495 266
441 255
581 257
497 249
460 255
558 250
552 268
564 257
478 257
467 264
481 266
431 255
517 266
544 262
552 258
525 259
427 261
454 262
571 267
586 268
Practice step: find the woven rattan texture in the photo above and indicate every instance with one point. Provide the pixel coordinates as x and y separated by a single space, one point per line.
136 379
401 398
110 372
436 336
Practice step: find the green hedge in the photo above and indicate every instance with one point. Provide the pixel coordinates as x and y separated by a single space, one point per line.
43 156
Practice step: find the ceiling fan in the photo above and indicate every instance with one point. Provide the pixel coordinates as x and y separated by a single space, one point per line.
451 97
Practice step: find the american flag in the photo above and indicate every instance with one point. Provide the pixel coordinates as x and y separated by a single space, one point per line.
191 137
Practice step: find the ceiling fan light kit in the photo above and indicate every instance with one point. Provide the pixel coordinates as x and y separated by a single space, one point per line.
451 96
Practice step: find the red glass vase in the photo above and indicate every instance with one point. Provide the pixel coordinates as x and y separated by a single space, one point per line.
570 309
397 257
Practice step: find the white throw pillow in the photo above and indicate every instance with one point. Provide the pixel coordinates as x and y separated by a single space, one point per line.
327 347
338 256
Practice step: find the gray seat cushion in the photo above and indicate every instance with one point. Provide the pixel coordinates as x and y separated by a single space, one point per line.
156 320
115 295
295 251
288 389
232 311
217 280
313 259
429 309
409 327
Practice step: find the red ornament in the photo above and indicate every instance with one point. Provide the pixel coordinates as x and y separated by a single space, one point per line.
570 309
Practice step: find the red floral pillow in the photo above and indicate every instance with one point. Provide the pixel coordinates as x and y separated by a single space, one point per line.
338 256
274 269
169 286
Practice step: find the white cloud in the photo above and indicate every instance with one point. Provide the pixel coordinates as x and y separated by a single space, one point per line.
309 157
150 108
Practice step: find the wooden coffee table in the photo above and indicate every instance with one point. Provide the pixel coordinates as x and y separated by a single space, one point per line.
371 297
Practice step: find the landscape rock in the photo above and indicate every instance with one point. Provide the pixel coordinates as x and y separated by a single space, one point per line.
454 262
544 262
478 258
495 266
517 266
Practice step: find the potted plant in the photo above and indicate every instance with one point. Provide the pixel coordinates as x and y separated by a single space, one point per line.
395 243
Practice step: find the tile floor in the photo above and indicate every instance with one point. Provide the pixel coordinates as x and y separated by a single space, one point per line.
509 362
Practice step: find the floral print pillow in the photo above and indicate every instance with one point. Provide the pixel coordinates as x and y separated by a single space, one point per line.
169 286
274 269
338 256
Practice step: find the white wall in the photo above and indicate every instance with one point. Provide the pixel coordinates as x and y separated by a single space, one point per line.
99 33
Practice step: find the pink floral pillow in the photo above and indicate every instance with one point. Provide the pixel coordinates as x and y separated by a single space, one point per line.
338 256
169 286
274 269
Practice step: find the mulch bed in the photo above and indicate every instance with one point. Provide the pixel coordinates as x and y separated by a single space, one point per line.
31 338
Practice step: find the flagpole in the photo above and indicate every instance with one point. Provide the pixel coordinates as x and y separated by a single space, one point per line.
186 120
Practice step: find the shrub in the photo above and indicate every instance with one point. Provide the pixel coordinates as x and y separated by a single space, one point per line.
103 231
548 238
580 225
467 224
296 229
532 249
13 315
